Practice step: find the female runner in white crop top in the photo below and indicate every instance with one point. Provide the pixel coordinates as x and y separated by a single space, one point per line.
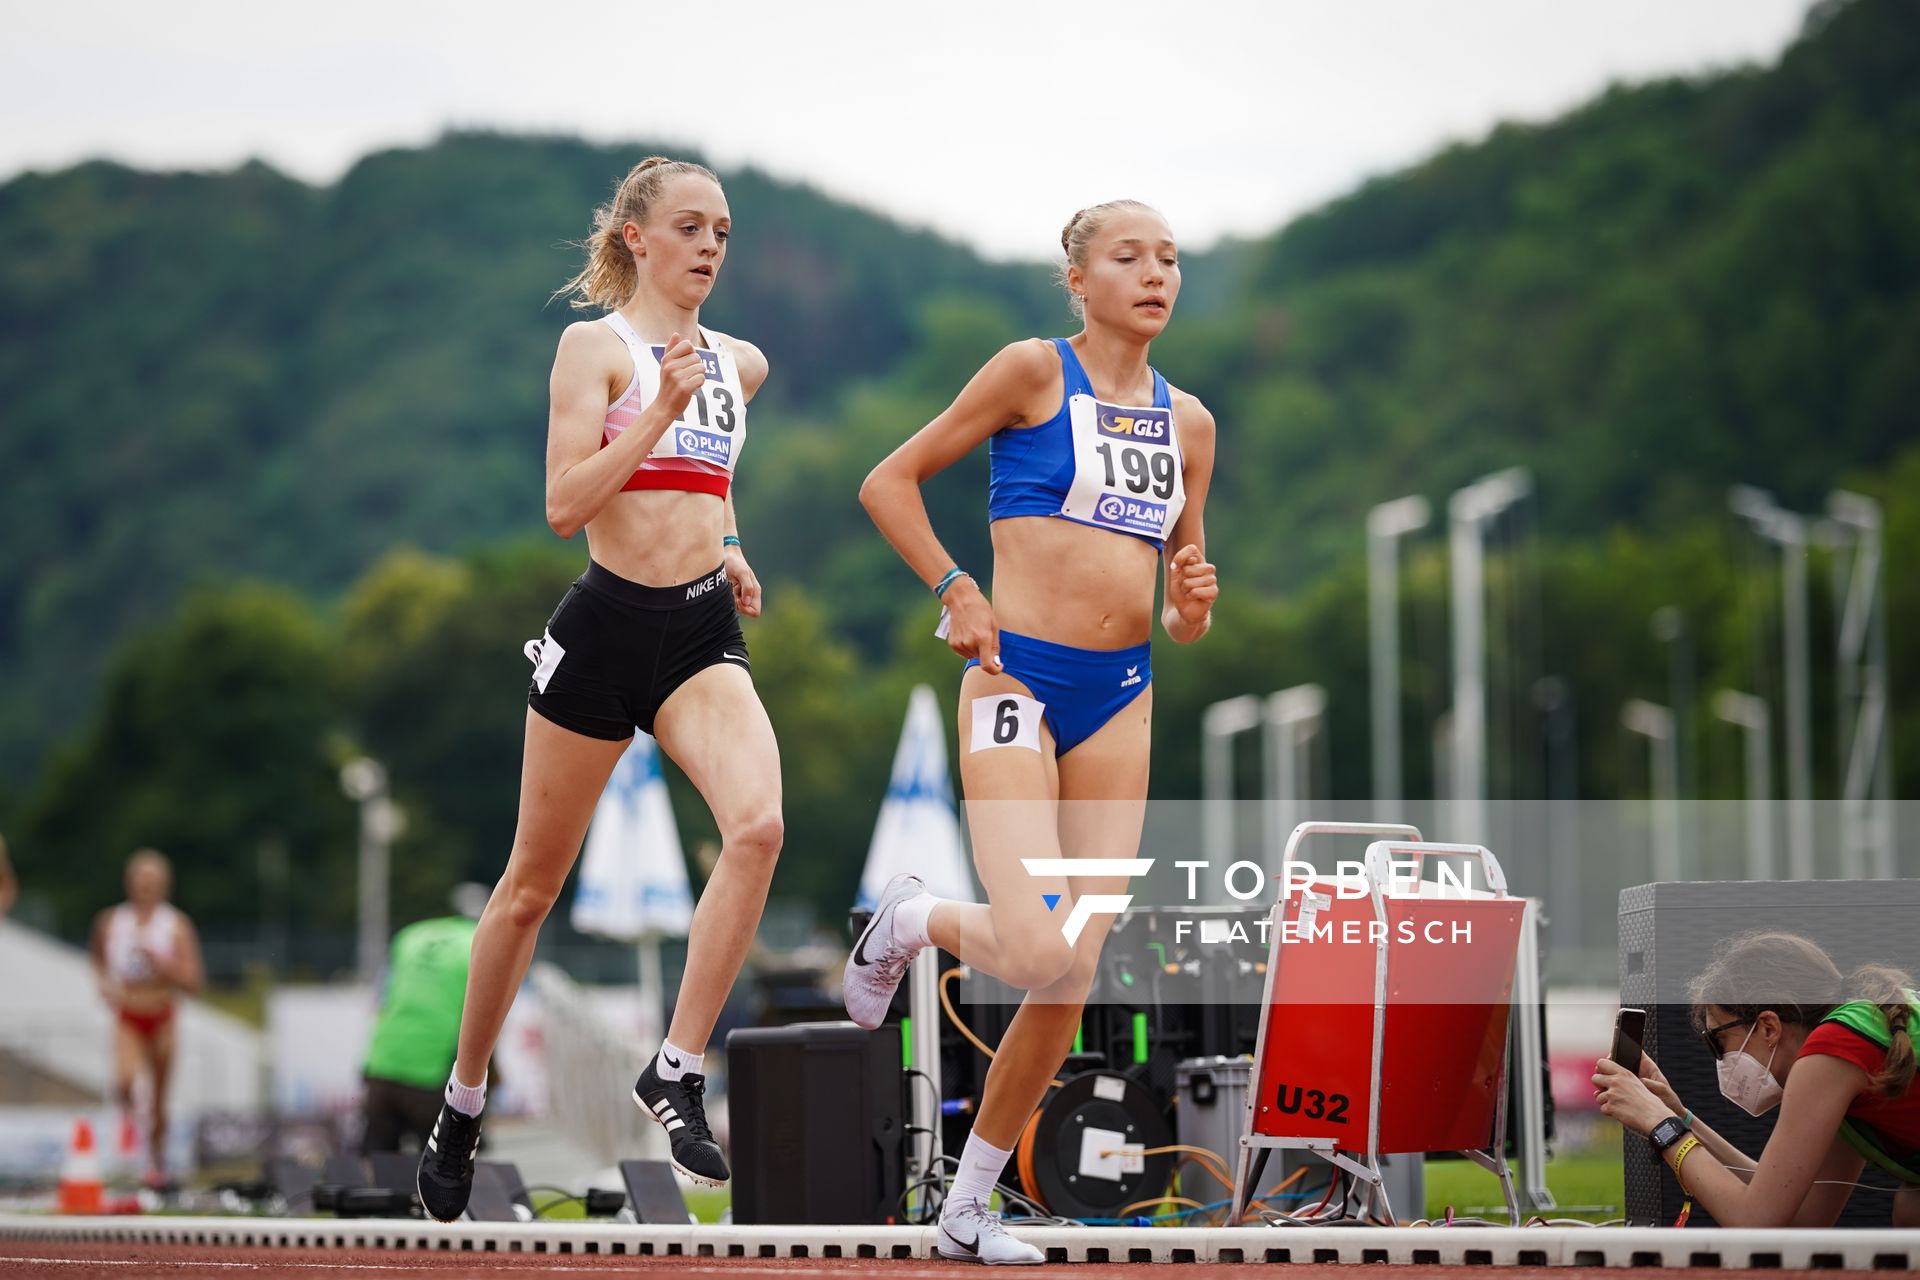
648 416
145 953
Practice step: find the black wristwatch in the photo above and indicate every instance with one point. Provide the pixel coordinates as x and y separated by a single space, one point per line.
1666 1133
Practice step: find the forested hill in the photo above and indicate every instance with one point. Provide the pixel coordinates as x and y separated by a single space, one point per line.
213 376
1676 286
1684 284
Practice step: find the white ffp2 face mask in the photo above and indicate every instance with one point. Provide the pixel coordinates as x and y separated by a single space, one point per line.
1747 1082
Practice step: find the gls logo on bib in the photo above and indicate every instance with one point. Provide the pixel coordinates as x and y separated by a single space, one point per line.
711 359
1147 425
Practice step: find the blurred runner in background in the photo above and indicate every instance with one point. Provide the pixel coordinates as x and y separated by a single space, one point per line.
145 952
9 887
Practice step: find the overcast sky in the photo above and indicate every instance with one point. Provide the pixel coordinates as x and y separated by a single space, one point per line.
990 121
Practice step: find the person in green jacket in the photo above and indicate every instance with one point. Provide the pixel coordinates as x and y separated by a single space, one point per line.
418 1027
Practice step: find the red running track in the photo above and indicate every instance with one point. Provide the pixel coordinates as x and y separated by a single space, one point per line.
75 1261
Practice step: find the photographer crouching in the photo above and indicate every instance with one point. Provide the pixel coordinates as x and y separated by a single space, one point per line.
1834 1052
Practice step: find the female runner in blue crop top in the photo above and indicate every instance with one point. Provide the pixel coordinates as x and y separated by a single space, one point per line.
1097 465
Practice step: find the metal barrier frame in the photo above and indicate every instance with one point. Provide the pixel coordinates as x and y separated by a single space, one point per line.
1390 839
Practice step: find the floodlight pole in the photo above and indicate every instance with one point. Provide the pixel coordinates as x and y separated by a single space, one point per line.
1219 724
1751 716
1866 755
1386 524
1655 723
1470 511
365 782
1790 532
1292 717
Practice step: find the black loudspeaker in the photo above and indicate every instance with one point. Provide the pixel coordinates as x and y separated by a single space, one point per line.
499 1194
395 1171
344 1169
1671 932
294 1181
653 1192
818 1113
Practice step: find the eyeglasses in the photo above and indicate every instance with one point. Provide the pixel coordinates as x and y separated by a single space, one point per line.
1712 1036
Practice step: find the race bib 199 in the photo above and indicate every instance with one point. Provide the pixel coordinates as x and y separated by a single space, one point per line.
1126 468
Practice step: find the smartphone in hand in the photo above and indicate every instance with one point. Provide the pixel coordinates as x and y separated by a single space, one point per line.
1629 1036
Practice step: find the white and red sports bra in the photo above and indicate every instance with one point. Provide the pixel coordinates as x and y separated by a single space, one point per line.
129 941
701 449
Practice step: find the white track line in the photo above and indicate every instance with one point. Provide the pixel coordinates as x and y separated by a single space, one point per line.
523 1262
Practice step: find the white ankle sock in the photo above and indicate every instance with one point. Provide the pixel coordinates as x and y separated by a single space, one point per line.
980 1166
467 1099
910 920
672 1061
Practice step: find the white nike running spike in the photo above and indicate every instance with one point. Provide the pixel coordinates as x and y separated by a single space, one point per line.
970 1232
879 961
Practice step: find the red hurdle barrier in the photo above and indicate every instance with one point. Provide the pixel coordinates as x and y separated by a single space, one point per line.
1385 1020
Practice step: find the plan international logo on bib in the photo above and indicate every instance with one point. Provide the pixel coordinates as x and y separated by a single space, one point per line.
1149 426
704 445
1133 513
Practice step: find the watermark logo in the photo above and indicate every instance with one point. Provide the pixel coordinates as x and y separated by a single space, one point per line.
1247 881
1087 905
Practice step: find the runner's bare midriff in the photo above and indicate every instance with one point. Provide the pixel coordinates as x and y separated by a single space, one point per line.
1068 583
658 537
145 997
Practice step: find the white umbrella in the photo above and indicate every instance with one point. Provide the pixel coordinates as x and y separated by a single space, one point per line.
633 880
917 830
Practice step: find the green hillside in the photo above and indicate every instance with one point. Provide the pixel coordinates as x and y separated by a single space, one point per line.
214 376
1675 287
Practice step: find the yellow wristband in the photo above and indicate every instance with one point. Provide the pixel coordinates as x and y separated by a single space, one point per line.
1679 1156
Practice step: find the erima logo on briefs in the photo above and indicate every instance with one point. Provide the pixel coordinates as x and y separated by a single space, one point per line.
703 445
1133 678
1135 424
711 359
1087 905
706 584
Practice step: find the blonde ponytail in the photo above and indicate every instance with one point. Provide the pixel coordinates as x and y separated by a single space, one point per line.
609 277
1891 990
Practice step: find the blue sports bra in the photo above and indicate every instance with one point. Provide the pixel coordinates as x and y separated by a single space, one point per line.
1114 467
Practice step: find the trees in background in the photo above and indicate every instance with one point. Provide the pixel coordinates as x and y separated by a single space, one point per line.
213 379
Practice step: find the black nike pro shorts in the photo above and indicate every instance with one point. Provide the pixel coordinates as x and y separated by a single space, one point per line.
615 650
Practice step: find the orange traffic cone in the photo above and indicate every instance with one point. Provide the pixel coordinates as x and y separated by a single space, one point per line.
80 1188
